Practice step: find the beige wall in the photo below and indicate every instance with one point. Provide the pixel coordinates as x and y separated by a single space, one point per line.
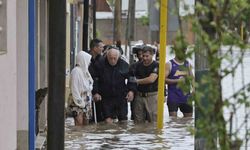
8 86
42 59
22 65
67 89
22 74
14 79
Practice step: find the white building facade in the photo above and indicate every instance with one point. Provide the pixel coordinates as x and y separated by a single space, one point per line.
14 76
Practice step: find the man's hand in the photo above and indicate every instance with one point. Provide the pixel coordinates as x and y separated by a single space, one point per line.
97 97
130 96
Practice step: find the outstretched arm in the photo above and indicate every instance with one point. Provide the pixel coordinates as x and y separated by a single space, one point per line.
150 79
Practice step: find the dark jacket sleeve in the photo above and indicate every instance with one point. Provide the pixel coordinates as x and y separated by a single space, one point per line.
125 71
95 69
132 85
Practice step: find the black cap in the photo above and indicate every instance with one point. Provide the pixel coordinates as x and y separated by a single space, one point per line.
137 48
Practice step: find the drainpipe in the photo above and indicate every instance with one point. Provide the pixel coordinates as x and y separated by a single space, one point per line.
31 75
85 25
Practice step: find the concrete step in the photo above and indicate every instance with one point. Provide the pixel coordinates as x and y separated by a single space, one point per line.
40 140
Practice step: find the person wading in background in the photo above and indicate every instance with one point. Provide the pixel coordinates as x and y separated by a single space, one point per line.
177 71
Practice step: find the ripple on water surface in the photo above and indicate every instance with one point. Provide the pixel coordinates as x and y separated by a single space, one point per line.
174 136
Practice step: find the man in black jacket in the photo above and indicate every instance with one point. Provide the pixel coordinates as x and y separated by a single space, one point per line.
110 86
96 48
138 50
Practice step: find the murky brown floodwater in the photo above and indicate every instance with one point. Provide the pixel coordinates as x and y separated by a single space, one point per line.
174 135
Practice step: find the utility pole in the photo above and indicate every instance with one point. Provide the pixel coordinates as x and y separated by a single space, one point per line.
117 21
154 20
94 18
57 62
132 19
127 32
161 79
85 36
131 27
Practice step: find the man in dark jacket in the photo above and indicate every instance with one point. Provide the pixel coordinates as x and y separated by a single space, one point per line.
96 48
138 50
110 86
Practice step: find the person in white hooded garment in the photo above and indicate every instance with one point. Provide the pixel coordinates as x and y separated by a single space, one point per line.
81 85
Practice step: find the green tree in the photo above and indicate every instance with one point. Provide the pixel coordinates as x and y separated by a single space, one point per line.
144 20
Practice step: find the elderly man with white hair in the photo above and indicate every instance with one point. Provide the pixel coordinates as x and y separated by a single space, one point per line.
111 87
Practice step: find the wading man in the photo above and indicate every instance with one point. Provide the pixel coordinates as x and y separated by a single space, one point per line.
178 70
146 73
111 87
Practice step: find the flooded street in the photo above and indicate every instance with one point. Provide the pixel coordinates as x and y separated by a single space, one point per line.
174 135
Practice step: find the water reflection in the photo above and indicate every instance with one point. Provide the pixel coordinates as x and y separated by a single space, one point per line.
127 135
